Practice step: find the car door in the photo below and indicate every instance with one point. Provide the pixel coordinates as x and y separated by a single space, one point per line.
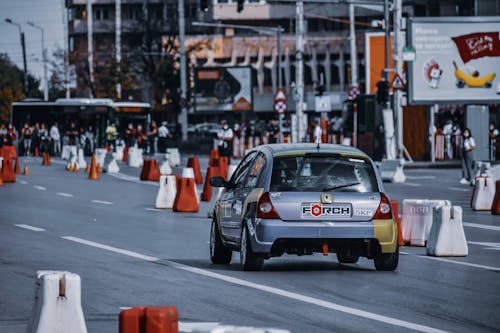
230 227
257 166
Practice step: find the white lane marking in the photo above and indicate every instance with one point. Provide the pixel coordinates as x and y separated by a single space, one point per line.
110 248
458 189
186 327
67 195
41 188
481 226
102 202
132 179
411 184
29 227
491 268
420 177
264 288
23 182
487 245
153 209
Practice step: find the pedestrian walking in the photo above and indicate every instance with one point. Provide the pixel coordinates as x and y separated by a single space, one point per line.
163 135
225 136
55 138
153 138
493 134
468 146
273 132
44 139
111 134
316 132
26 134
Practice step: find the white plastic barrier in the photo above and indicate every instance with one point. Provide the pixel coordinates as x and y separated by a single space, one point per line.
67 150
484 192
119 152
165 168
100 155
494 173
110 165
73 161
166 193
189 173
57 307
82 164
447 237
416 219
135 159
392 171
238 329
174 156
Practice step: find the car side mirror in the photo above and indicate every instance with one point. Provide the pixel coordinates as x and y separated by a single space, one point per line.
217 182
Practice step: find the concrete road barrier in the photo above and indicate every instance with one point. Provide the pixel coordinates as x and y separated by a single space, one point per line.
416 219
57 307
483 193
447 237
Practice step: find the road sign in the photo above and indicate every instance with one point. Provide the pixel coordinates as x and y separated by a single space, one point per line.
322 104
398 83
354 92
280 105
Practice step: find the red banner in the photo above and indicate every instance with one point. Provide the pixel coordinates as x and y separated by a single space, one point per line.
478 45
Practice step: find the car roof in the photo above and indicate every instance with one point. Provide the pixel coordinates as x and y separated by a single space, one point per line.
287 149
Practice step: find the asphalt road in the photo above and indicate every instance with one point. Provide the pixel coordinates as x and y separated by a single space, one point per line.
128 254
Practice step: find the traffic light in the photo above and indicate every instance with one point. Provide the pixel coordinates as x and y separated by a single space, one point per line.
204 5
239 7
382 92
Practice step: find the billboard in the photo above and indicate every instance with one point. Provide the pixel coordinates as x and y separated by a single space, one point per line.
457 60
223 89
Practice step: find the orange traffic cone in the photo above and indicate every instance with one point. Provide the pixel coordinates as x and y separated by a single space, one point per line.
93 174
495 207
214 153
87 168
185 200
99 168
224 166
194 162
8 174
125 155
1 178
206 195
46 159
37 154
26 172
17 167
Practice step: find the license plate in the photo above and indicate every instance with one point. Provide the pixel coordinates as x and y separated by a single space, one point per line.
316 210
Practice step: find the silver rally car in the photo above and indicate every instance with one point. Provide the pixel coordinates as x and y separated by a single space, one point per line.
304 199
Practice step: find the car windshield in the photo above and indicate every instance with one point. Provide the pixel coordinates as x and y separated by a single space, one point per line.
322 172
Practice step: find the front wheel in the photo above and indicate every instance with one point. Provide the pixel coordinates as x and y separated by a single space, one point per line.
250 261
219 254
387 261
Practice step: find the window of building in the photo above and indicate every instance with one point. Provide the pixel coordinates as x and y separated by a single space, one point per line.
101 14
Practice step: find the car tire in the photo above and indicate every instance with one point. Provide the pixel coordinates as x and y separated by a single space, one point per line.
387 261
345 257
219 254
250 261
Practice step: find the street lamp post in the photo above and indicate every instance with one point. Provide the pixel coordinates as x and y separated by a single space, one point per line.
23 45
44 59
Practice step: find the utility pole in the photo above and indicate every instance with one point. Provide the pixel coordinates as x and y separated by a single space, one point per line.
118 34
66 49
90 48
183 118
44 59
398 68
388 113
299 69
354 72
23 46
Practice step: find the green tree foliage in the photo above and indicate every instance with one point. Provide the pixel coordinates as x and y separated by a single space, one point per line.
11 86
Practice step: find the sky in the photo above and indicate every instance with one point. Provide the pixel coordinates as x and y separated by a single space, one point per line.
44 13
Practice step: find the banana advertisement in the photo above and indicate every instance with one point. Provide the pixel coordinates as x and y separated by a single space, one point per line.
457 60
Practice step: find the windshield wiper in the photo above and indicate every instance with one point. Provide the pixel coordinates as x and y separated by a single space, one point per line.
340 186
